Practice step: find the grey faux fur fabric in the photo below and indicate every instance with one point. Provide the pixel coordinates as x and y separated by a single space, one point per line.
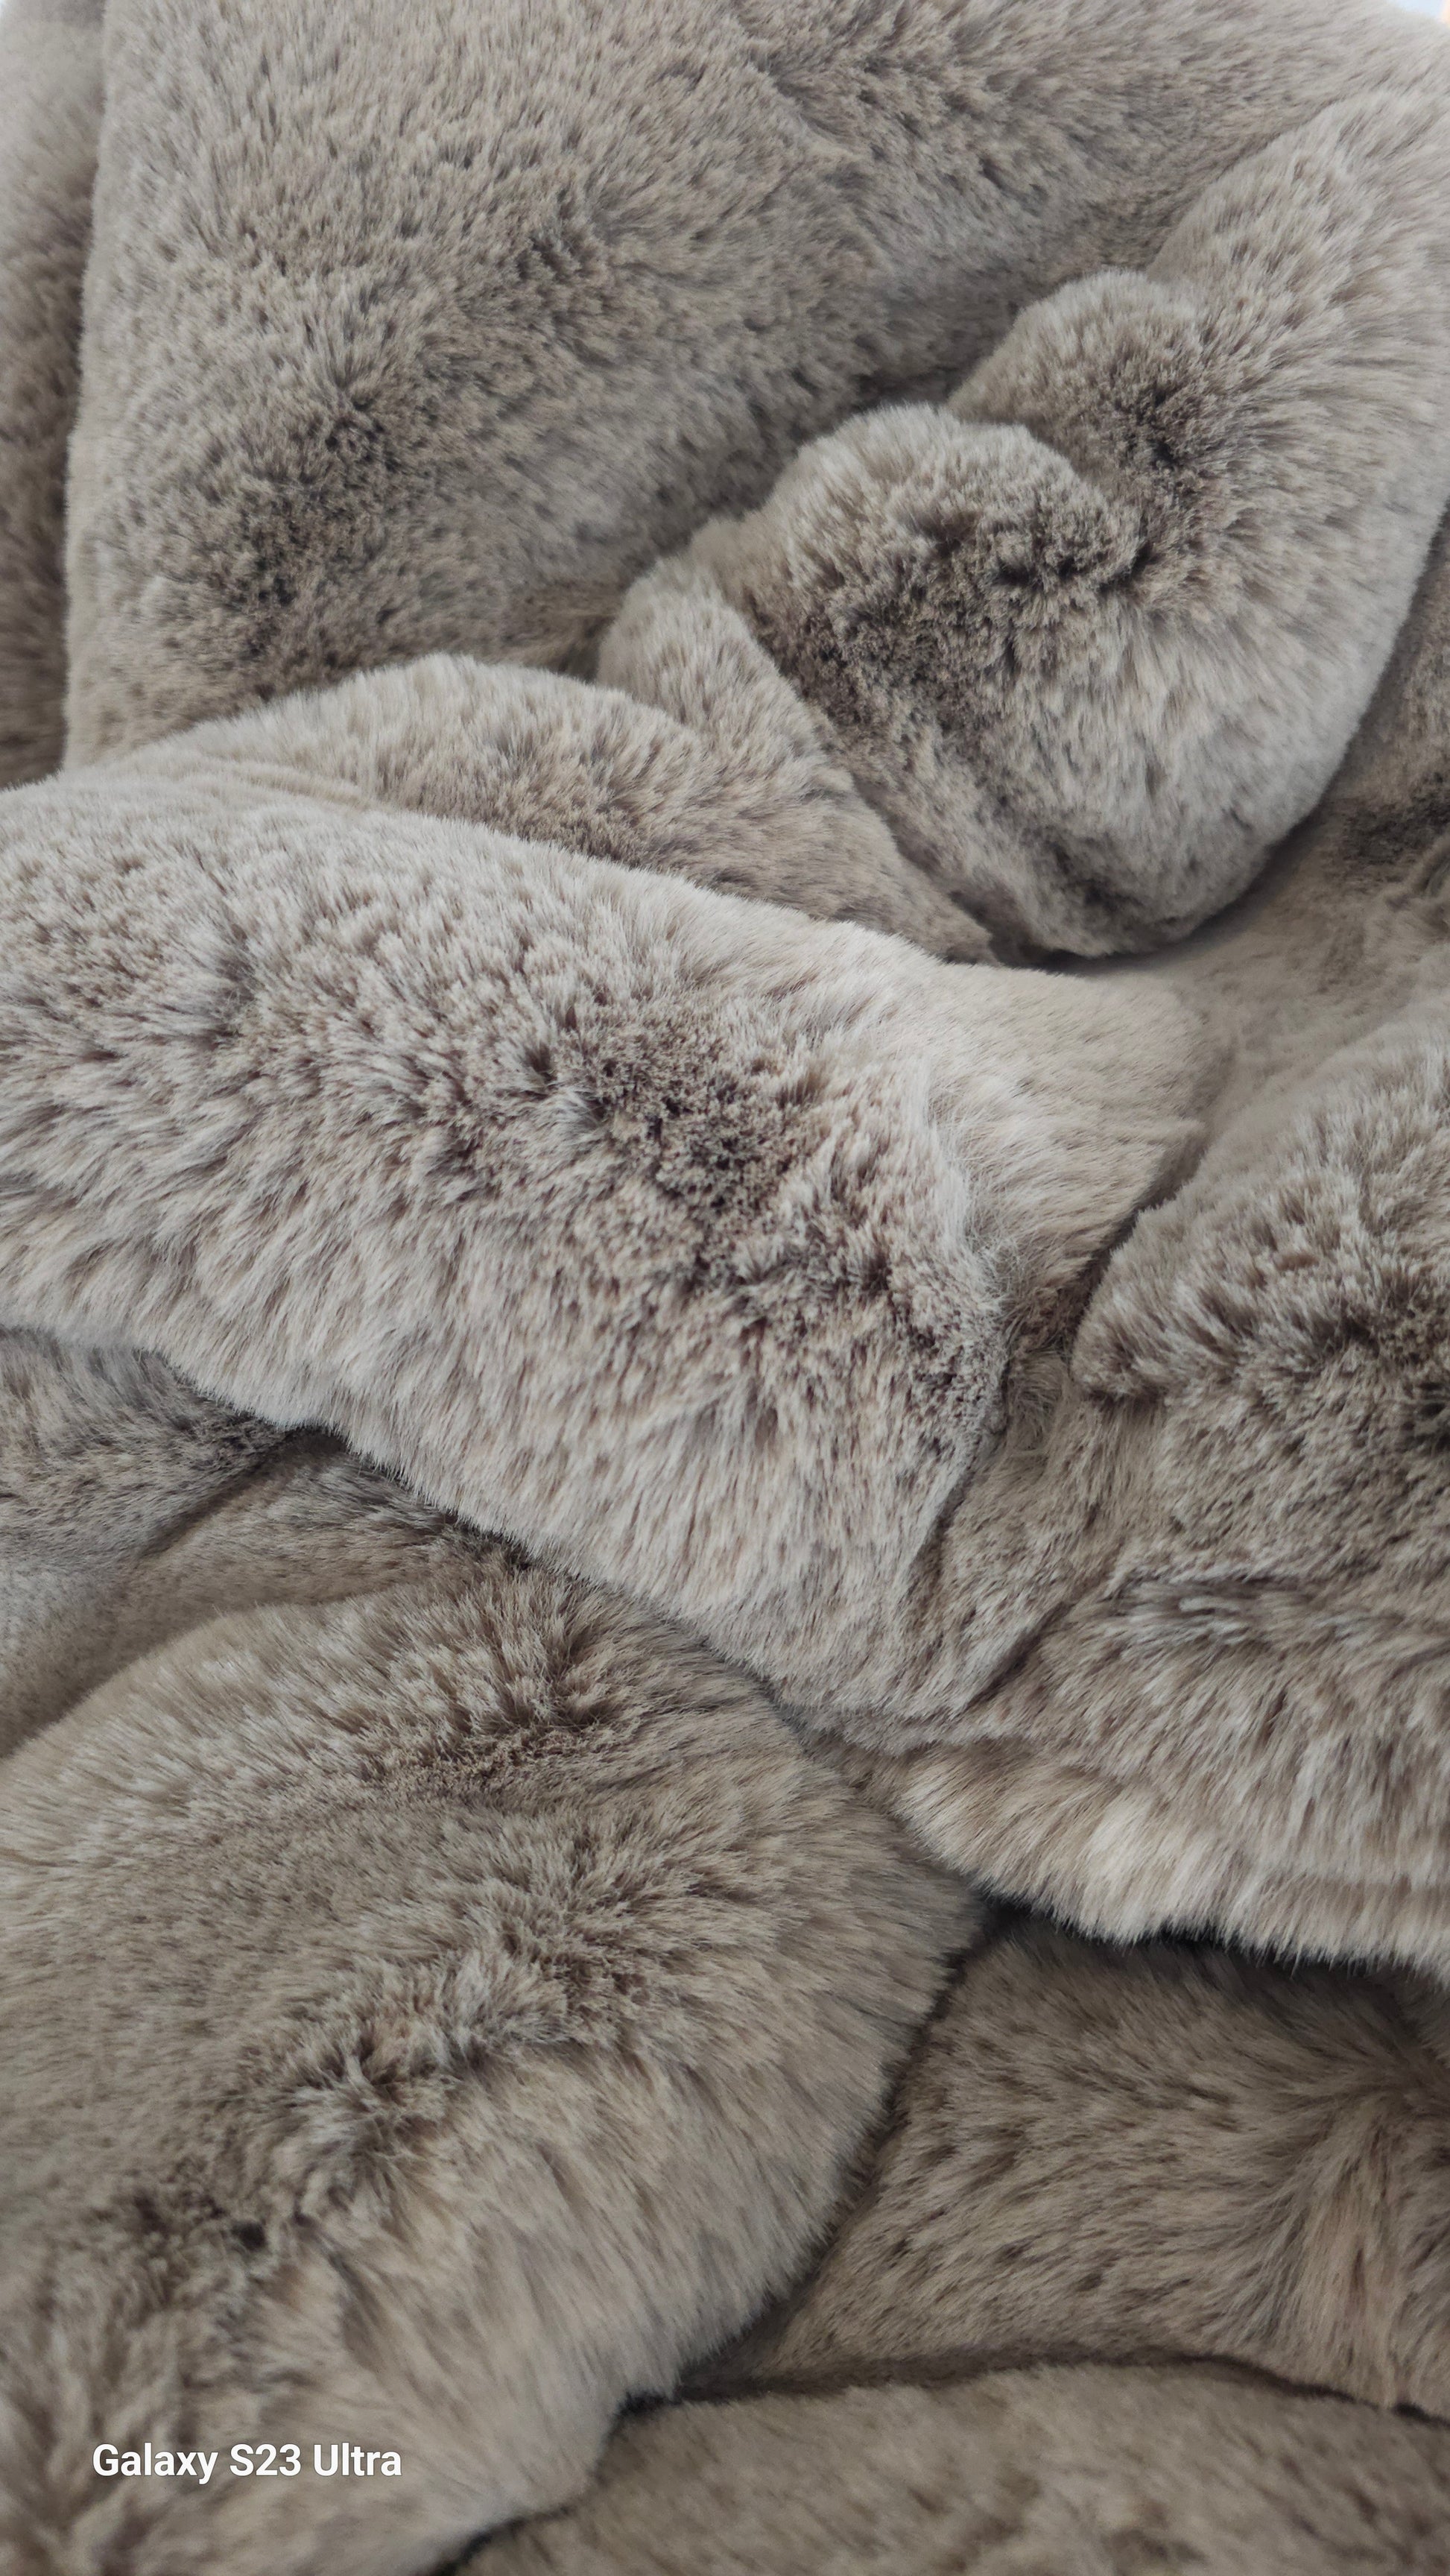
724 1061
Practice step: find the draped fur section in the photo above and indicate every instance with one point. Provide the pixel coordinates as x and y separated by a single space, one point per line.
724 1493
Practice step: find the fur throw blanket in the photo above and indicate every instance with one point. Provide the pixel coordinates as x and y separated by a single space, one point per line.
725 1390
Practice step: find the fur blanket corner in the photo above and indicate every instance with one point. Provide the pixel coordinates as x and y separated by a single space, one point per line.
724 1512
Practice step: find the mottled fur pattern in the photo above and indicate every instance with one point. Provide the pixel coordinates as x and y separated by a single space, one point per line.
1040 2473
1161 2151
50 96
534 1935
499 1160
567 1188
540 290
1095 634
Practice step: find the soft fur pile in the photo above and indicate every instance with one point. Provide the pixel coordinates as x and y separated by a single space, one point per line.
669 1347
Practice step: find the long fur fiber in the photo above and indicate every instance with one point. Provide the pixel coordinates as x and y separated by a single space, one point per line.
724 1060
